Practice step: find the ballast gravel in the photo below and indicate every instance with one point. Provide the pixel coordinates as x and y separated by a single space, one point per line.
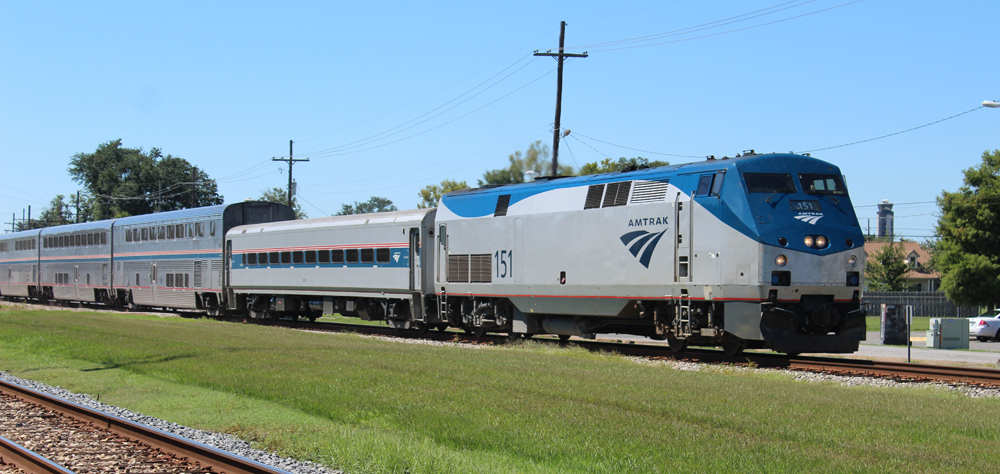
221 441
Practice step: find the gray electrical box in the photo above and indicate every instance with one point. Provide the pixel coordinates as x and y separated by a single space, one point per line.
948 333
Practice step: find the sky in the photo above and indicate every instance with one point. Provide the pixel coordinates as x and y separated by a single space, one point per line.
385 98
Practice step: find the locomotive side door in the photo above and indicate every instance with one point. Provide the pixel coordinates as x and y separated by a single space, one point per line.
682 238
227 264
416 305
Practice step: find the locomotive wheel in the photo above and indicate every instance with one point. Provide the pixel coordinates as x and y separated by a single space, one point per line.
479 331
733 345
441 327
564 337
676 345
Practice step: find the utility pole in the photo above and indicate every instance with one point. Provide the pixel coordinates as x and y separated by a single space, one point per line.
77 207
559 57
290 161
194 187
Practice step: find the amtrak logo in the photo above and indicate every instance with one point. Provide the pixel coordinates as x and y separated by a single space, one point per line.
395 257
635 241
809 218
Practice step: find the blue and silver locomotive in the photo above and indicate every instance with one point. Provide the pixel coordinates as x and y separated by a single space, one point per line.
759 251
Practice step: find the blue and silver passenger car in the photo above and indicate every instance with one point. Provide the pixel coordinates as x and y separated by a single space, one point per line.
19 263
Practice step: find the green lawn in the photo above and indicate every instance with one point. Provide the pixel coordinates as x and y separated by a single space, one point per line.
372 406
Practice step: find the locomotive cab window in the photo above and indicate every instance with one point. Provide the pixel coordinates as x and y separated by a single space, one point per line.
704 185
769 182
822 184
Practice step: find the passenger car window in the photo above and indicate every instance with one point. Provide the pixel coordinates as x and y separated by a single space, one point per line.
822 184
337 256
351 256
382 256
769 182
251 259
367 255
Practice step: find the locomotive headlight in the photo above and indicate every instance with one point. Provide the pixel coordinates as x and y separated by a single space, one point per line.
821 242
780 260
808 241
853 261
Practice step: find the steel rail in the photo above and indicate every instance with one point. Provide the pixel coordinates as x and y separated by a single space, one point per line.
205 455
839 366
27 460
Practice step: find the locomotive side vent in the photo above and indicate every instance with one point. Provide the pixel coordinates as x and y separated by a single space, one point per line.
617 194
458 269
481 268
594 195
502 202
649 191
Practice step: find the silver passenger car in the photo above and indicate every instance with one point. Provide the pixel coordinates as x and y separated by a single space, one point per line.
19 263
75 262
365 265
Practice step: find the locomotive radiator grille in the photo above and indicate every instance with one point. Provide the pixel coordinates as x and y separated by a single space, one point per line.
477 268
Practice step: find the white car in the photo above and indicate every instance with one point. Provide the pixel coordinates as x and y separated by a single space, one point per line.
985 326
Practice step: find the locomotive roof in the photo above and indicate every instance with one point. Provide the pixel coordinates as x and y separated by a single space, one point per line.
659 173
412 215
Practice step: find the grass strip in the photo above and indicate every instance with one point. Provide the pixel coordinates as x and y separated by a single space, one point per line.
367 405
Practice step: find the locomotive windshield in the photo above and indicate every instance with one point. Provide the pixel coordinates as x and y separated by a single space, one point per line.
822 184
769 182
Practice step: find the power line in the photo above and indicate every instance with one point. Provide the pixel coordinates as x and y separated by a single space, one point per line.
445 123
633 149
728 31
703 26
896 133
375 137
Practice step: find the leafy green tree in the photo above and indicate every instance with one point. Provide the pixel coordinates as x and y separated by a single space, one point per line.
623 164
280 196
129 181
966 252
372 205
431 194
59 212
887 268
535 159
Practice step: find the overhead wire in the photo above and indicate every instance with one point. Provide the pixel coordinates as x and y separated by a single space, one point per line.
727 31
449 121
700 27
896 133
386 133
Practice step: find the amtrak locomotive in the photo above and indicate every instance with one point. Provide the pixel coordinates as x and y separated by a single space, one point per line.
758 251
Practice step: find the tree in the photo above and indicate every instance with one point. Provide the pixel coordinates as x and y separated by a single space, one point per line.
431 195
966 252
623 164
128 181
59 212
372 205
280 196
887 269
535 159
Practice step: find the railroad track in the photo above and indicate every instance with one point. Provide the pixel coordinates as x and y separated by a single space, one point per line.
899 371
77 438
